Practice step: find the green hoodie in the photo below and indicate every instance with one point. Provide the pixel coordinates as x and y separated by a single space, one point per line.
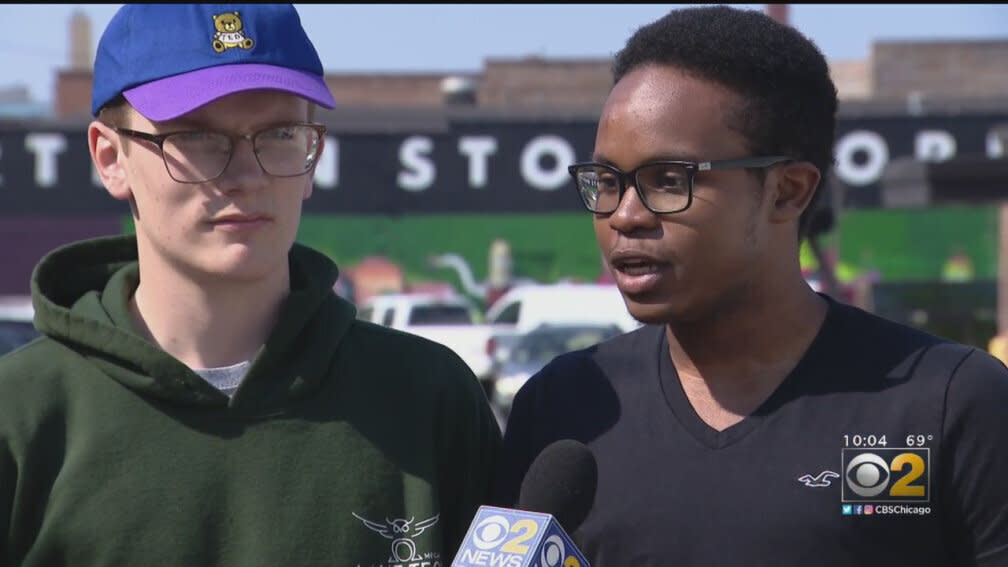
346 444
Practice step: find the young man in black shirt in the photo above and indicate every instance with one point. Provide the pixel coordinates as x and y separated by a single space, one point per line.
753 421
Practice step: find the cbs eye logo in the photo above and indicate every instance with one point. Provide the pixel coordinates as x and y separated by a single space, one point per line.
496 532
891 475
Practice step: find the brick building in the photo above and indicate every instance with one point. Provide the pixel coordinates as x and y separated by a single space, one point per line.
895 71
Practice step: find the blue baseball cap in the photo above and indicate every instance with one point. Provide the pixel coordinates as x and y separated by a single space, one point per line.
169 59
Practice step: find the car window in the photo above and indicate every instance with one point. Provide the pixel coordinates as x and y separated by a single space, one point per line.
509 314
388 318
14 334
440 315
542 345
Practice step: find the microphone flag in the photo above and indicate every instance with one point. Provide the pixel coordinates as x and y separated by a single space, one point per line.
504 537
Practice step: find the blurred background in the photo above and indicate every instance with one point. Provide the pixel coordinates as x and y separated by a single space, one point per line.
443 191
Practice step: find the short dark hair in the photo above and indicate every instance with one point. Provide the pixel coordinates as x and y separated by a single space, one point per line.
790 100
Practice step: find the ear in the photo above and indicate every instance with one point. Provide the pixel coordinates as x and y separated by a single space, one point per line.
106 150
794 184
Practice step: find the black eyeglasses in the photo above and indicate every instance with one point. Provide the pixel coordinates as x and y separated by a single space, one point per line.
663 186
284 150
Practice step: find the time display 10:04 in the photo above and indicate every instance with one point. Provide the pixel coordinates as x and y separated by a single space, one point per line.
859 440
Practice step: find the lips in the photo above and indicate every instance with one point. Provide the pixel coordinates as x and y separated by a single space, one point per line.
639 269
636 272
239 219
636 263
240 223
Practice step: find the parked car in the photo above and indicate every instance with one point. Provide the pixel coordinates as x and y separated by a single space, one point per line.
449 319
527 307
16 326
534 350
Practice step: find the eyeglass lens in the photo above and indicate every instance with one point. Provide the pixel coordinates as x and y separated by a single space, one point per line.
663 187
282 151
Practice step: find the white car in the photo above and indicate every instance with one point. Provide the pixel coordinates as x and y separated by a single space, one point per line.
528 307
16 328
449 319
533 350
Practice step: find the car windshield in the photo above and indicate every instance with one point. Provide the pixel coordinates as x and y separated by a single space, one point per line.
440 315
542 345
14 334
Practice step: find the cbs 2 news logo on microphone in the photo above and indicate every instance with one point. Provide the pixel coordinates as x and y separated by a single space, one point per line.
887 474
503 537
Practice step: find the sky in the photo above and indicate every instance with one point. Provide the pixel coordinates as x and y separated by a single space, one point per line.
404 38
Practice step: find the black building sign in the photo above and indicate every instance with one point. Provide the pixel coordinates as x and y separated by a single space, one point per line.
473 167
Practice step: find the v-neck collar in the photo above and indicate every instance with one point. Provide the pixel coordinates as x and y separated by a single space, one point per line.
788 389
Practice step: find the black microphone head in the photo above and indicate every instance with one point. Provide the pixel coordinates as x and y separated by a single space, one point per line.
561 481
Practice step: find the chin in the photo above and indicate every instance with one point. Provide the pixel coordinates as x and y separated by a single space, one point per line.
658 313
243 264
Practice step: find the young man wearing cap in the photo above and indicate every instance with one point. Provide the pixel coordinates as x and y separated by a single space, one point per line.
200 395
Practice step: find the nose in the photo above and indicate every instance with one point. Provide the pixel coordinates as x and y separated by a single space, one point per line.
243 170
631 215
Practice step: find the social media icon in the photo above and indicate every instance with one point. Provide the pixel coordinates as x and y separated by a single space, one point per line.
869 509
858 509
848 509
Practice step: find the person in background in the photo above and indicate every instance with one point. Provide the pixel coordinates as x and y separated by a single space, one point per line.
201 396
753 421
958 267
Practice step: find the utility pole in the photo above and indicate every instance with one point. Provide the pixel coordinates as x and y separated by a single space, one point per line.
999 343
778 12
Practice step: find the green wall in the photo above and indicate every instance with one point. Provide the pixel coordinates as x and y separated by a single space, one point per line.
902 245
544 247
912 244
906 247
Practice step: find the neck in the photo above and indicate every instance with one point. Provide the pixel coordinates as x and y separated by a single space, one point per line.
731 361
209 322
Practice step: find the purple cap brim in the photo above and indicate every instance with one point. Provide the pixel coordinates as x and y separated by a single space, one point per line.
174 96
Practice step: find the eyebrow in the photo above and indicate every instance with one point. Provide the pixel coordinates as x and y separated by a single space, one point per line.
191 125
597 158
182 125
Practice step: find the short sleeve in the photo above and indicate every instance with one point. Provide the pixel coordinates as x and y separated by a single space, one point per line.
975 460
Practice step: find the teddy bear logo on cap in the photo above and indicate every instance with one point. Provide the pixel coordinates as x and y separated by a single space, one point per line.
229 32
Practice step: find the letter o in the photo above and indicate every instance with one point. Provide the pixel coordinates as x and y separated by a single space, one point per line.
534 175
868 172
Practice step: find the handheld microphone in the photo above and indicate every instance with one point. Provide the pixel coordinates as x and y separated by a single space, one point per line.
561 481
557 492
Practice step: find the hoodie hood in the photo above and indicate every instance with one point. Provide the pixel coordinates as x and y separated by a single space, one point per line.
81 295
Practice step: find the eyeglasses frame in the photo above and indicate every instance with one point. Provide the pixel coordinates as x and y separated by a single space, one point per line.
691 167
159 139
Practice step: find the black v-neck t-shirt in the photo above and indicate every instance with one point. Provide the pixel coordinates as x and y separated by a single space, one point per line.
883 446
